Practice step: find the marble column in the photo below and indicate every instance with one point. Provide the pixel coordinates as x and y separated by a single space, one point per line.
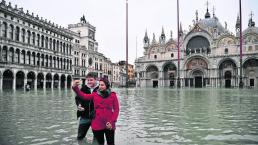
14 82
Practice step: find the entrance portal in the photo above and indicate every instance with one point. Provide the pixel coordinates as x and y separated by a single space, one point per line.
155 84
198 82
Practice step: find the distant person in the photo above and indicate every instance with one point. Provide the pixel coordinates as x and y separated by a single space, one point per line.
106 108
27 87
85 109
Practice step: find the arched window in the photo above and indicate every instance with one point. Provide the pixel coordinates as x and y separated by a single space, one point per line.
33 38
172 55
46 42
57 46
28 37
38 39
50 43
61 46
54 44
11 31
155 56
23 35
226 50
17 34
4 30
42 41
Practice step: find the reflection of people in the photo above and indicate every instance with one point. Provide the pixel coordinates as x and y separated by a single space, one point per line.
27 87
86 107
106 111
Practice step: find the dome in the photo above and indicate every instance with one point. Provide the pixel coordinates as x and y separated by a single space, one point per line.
212 23
251 30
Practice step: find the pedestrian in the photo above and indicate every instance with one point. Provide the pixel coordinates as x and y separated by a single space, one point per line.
106 108
85 108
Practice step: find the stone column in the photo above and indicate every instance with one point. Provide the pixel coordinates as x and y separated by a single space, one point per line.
14 82
44 82
59 83
1 81
52 83
189 81
25 82
65 83
35 83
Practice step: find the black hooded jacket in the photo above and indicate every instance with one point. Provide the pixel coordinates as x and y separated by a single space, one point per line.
88 105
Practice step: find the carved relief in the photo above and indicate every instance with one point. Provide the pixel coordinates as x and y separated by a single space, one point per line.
197 63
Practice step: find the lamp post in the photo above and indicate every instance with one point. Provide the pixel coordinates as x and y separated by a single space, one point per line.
178 48
241 84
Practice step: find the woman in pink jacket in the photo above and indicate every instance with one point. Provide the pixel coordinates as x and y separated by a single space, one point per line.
106 108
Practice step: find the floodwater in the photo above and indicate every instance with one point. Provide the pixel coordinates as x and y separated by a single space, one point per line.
159 116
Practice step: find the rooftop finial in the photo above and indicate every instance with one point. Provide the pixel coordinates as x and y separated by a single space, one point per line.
207 15
196 15
213 9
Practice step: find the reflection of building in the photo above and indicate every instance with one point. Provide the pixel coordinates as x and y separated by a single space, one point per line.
122 65
40 53
209 56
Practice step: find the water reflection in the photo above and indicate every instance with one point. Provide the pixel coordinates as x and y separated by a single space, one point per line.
148 116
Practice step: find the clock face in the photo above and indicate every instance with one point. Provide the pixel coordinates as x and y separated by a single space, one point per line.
90 61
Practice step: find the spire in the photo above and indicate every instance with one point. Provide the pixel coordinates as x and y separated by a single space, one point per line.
171 34
251 23
207 15
213 9
146 38
196 16
180 30
162 34
238 23
153 39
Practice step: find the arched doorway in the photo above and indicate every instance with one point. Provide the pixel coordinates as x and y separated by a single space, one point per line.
227 73
152 74
63 81
69 81
31 79
169 74
7 79
198 78
196 68
228 76
56 80
40 79
19 80
250 68
48 80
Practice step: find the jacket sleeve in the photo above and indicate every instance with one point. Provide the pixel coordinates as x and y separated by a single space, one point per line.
115 108
81 94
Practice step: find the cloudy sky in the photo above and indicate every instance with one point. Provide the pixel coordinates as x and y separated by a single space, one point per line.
109 18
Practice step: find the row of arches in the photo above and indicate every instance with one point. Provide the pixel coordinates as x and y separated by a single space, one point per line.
199 75
19 80
21 56
29 37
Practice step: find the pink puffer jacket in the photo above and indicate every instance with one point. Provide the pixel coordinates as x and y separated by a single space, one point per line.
106 109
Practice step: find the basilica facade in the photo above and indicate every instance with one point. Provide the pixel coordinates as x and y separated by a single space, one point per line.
209 56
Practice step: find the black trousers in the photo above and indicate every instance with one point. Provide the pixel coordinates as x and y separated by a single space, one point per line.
82 130
99 135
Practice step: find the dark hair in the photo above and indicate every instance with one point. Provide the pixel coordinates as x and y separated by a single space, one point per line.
91 75
106 82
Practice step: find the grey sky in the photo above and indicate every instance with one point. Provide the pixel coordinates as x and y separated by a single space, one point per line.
109 18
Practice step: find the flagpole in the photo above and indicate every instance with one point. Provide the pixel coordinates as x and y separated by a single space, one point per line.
241 84
178 48
126 43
